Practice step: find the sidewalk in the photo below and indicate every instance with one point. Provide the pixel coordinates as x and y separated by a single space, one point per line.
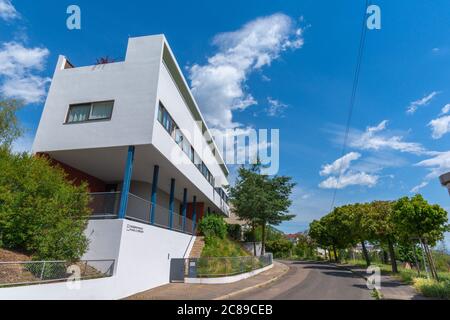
391 288
185 291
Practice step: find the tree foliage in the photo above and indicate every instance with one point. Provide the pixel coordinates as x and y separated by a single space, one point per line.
213 225
261 200
9 125
40 212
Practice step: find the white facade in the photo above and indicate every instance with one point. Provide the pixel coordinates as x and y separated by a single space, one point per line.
149 75
133 164
142 254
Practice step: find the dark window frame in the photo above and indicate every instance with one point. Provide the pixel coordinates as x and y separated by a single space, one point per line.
66 121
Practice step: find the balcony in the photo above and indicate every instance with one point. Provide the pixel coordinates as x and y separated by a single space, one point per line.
106 205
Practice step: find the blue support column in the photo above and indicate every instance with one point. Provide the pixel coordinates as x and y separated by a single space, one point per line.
184 208
154 192
194 213
126 182
171 198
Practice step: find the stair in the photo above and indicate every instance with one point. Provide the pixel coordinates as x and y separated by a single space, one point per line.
197 248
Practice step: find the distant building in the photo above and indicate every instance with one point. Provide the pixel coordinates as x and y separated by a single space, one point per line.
445 180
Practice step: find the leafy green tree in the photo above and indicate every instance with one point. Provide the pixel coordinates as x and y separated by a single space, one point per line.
415 218
246 197
354 218
319 233
40 211
278 191
9 125
382 228
281 248
305 246
260 199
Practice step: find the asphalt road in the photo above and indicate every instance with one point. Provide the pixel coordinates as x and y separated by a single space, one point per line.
312 281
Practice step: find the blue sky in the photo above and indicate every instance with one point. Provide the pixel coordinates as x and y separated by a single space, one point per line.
296 77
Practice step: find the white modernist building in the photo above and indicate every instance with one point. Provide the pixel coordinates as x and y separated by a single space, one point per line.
134 132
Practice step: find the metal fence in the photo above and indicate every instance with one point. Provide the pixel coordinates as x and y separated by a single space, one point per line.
209 267
35 272
105 205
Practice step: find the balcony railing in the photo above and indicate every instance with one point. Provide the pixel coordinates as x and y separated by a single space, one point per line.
105 205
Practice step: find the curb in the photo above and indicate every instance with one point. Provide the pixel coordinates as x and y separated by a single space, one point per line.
229 295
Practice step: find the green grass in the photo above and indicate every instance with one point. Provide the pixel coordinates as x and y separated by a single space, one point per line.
223 257
216 247
433 288
428 287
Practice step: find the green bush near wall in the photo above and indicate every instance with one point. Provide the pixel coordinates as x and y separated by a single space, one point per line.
41 213
213 225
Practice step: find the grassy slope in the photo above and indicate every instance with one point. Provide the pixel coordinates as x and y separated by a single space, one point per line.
216 247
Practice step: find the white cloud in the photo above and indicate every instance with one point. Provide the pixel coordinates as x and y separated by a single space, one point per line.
418 187
372 139
445 109
7 10
439 126
343 177
439 164
30 89
421 102
340 165
220 85
276 107
18 67
350 179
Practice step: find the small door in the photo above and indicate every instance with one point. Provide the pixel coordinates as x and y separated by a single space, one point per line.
177 270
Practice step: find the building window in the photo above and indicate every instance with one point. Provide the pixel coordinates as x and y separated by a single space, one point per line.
90 111
171 127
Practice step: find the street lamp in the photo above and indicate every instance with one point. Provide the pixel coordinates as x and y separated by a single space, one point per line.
445 180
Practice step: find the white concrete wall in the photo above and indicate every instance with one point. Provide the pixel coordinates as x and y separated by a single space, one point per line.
136 85
142 262
230 279
132 85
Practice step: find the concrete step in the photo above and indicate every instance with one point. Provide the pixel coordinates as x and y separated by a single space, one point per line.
197 248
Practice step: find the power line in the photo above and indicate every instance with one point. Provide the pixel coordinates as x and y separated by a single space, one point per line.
362 42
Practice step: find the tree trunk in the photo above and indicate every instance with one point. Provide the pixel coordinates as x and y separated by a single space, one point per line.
254 239
329 254
416 259
335 254
431 261
263 239
423 258
366 254
392 256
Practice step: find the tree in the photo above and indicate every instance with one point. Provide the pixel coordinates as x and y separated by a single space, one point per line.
40 211
261 199
415 218
319 233
9 125
382 227
246 195
281 248
278 190
355 219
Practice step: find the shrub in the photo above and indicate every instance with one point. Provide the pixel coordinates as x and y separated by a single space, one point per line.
217 247
280 248
40 212
234 231
433 288
213 225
